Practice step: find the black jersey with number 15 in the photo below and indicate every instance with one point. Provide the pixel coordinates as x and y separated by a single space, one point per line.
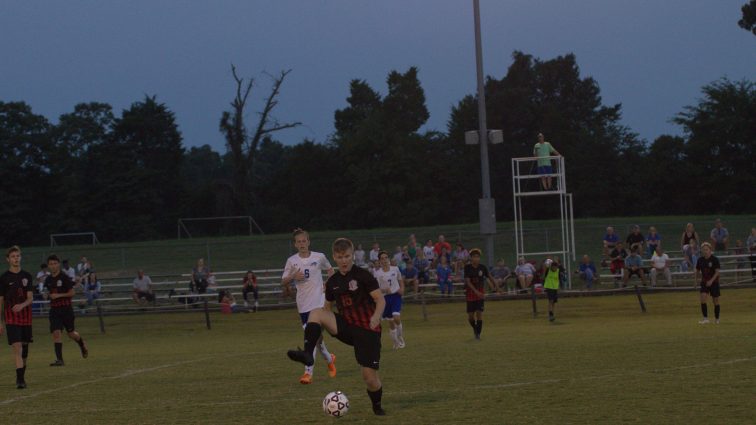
351 294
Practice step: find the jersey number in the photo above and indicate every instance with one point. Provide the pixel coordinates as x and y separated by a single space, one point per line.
307 273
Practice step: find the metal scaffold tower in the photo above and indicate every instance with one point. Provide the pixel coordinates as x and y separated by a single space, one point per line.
526 184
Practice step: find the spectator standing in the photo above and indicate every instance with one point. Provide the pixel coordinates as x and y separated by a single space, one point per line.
92 287
200 278
373 256
359 256
719 237
660 264
443 275
653 241
689 234
249 284
442 247
635 239
543 150
633 266
587 271
525 273
610 240
617 256
397 258
142 285
412 247
751 244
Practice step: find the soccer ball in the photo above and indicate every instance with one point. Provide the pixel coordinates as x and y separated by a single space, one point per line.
336 404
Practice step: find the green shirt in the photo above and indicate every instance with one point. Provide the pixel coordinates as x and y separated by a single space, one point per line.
552 279
542 151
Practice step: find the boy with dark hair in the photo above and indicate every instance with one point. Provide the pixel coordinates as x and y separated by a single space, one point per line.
61 290
360 303
475 275
708 267
16 298
551 285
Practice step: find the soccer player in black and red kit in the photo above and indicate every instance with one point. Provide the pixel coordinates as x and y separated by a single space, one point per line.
708 267
16 298
60 287
360 303
476 275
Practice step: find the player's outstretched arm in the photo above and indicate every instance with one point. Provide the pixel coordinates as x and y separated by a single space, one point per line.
380 305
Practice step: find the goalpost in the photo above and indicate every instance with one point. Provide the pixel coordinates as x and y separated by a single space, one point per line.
217 226
80 238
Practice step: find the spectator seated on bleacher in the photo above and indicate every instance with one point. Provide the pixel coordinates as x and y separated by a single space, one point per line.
690 256
359 256
653 241
442 247
610 241
228 303
501 274
92 287
410 275
635 239
200 275
660 265
525 273
719 237
422 265
429 252
444 276
617 257
634 267
587 271
142 285
373 256
461 257
249 284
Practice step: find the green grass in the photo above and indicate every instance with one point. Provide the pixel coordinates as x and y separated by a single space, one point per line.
601 362
271 251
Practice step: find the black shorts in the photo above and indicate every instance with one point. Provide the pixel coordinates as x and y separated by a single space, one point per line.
552 294
712 290
473 306
366 343
18 333
62 318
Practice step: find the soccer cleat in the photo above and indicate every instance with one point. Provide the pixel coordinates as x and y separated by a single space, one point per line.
703 321
305 379
301 356
332 366
57 363
379 411
401 343
477 336
84 350
20 385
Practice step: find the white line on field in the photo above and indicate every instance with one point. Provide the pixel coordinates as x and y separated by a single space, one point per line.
128 373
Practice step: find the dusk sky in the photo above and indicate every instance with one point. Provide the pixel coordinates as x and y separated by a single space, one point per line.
652 56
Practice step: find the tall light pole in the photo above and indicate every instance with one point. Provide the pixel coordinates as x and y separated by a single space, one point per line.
486 204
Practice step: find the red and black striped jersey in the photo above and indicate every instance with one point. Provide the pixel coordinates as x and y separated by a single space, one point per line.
708 268
15 288
351 293
59 284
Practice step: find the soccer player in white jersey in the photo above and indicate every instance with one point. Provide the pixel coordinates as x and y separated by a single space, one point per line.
390 282
305 269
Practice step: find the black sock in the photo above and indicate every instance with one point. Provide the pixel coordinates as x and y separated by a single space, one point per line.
479 328
311 336
19 374
716 311
473 324
59 350
24 354
375 397
80 342
704 310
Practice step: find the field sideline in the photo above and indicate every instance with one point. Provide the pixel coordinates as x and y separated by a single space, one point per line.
602 361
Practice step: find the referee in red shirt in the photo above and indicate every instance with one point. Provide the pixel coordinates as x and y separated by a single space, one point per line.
16 298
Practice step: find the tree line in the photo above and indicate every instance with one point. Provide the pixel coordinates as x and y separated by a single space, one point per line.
129 176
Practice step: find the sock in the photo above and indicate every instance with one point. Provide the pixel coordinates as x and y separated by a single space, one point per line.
375 397
80 342
59 350
479 328
24 353
716 311
324 352
399 332
551 313
473 324
20 374
392 332
704 310
311 336
309 369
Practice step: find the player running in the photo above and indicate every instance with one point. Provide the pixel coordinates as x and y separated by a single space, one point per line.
305 269
708 266
392 285
61 290
475 276
16 298
358 323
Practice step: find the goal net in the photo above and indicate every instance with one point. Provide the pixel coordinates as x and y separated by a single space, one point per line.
204 227
81 238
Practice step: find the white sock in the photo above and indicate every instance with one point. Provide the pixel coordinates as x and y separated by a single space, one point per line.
399 332
324 352
394 338
309 369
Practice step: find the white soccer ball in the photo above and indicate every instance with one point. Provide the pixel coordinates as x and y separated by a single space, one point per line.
336 404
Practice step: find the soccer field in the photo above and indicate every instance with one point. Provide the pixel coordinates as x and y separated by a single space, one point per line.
602 361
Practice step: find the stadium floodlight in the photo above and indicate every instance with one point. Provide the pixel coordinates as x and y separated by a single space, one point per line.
494 137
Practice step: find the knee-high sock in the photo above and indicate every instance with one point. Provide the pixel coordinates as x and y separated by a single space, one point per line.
324 352
704 310
716 311
479 328
59 350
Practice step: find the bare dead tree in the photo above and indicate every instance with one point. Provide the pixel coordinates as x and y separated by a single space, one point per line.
243 147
